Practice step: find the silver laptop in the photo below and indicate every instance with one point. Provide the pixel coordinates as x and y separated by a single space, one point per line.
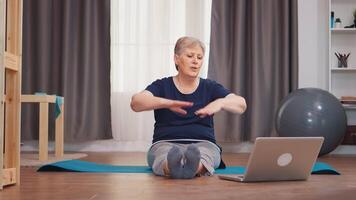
280 159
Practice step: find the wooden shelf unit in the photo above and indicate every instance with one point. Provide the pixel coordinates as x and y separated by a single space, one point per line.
10 94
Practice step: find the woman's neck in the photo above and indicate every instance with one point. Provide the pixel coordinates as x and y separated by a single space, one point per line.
186 85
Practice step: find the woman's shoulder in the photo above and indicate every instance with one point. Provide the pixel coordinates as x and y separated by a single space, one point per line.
159 85
211 84
215 88
164 80
208 81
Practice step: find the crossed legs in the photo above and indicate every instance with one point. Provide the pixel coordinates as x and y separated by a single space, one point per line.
183 161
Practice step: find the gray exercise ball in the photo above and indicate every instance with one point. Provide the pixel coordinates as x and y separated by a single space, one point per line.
310 112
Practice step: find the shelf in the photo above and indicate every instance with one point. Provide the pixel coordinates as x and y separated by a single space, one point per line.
349 106
343 30
349 69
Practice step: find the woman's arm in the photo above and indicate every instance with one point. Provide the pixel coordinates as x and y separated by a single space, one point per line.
145 100
232 103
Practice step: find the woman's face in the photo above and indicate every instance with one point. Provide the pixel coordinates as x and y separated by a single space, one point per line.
190 61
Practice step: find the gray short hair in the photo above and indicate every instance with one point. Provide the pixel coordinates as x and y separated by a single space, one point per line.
187 42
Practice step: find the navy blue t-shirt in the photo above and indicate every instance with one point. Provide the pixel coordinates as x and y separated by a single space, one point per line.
170 125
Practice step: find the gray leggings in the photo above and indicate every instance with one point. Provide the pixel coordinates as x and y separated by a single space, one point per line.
157 155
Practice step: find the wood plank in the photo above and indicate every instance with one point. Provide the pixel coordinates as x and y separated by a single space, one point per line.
59 135
9 176
2 83
12 61
12 119
13 87
43 132
38 98
98 186
14 27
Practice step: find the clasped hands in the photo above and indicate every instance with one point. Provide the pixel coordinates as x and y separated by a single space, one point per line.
208 110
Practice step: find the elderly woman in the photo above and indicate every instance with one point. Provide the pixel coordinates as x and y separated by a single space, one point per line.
184 144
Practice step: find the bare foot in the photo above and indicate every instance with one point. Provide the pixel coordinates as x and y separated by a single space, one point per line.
166 169
201 169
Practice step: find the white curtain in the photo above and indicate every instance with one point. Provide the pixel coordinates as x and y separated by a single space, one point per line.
143 34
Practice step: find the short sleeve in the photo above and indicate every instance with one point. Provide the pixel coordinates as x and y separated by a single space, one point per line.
156 88
218 91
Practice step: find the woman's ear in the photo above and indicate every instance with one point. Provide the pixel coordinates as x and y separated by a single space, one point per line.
176 59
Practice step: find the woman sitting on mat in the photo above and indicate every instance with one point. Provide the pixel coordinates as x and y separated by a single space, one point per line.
184 143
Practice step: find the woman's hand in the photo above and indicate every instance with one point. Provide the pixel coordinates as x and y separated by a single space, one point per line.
231 103
210 109
146 101
177 106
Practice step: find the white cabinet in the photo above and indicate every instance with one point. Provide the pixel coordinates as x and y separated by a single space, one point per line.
342 81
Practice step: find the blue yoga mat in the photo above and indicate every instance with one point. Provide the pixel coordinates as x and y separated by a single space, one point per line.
84 166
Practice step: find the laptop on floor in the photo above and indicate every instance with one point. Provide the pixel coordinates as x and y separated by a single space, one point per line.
280 159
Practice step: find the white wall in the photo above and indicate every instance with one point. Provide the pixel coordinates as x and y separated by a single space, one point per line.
313 43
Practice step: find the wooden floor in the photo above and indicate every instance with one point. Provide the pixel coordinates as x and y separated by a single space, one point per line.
100 186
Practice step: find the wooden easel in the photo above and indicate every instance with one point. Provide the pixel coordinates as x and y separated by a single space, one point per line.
10 77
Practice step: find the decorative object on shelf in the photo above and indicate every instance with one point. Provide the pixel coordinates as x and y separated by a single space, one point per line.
354 14
353 25
348 100
338 23
332 19
342 59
